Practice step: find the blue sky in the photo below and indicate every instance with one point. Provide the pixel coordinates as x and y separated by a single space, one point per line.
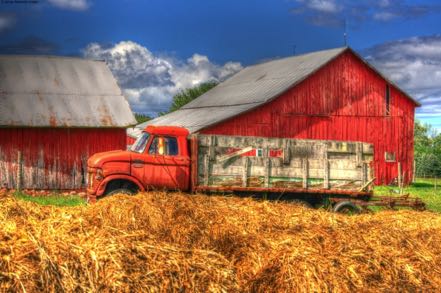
157 47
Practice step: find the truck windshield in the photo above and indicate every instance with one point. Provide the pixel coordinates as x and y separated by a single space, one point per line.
140 143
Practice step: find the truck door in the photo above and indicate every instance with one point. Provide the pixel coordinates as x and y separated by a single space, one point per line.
168 165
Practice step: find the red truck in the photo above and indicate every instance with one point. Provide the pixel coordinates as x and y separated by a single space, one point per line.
334 173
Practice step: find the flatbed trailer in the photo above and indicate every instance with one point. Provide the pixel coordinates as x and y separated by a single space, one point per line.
319 172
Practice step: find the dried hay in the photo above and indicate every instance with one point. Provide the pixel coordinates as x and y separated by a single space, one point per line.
161 242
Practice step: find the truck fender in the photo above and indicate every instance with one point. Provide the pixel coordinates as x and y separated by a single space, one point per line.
103 184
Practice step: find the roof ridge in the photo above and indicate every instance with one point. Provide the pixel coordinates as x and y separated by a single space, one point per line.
297 56
223 106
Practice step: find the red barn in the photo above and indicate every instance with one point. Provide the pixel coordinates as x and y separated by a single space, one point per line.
329 95
54 113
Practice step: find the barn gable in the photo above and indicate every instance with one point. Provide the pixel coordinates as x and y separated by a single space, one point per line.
44 91
252 87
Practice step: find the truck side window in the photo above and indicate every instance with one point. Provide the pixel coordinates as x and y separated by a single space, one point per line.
171 146
154 146
164 146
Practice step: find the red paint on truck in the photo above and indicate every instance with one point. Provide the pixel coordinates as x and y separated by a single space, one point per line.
142 168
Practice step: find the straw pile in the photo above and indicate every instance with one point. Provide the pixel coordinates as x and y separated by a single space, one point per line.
161 242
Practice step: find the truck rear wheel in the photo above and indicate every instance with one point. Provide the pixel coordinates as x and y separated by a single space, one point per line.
300 202
346 207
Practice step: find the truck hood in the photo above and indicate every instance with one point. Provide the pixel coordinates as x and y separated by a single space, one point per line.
98 159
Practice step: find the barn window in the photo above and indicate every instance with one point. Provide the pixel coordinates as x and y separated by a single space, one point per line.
387 100
389 157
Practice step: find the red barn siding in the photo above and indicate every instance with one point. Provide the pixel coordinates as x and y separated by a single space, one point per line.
345 100
130 140
53 158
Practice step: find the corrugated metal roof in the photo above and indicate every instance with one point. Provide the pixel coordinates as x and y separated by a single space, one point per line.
46 91
246 90
260 83
192 119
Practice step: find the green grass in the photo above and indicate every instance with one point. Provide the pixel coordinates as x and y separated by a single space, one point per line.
422 188
52 199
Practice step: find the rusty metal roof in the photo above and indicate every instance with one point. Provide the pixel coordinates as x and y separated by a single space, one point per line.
192 119
46 91
246 90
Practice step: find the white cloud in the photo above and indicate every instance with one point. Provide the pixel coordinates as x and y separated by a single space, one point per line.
415 65
328 6
70 4
6 21
149 81
339 12
384 16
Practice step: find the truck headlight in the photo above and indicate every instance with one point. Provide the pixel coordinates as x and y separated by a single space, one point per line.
99 174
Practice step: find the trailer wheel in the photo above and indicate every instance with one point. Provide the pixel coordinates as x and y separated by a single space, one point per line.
346 207
300 202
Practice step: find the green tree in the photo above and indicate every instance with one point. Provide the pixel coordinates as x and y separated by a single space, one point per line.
427 150
140 118
186 96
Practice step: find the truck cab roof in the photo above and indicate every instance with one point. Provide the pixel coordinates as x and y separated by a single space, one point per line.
167 130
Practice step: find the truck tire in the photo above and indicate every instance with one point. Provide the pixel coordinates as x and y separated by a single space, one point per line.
346 207
121 191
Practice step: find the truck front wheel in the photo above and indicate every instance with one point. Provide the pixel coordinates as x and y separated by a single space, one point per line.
121 191
121 186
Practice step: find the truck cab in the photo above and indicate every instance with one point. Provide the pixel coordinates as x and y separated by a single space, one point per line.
159 159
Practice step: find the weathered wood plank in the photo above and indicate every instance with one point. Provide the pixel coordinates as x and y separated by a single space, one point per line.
19 170
267 167
359 154
325 170
286 151
295 163
364 174
246 163
206 169
305 173
212 143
